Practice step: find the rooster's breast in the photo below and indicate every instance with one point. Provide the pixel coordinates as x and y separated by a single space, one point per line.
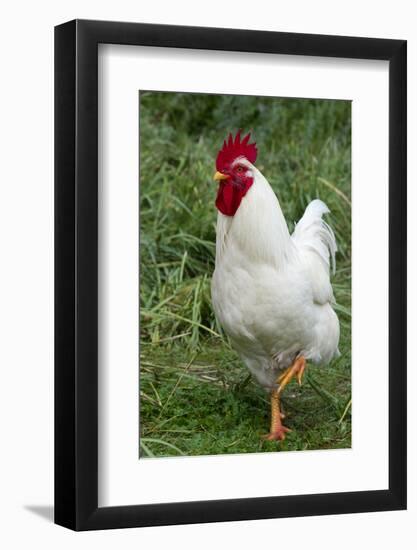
265 311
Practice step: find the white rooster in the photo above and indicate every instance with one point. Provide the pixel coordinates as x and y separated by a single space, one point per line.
271 291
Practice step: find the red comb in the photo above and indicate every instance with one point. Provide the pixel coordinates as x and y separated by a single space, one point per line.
232 149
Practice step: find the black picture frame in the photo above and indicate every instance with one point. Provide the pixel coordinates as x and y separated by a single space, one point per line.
76 272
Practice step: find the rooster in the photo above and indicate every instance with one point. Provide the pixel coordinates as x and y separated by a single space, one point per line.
271 291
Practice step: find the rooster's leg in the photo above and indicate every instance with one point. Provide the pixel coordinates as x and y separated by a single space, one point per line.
278 431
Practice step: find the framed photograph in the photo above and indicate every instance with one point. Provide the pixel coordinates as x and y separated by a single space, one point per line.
230 284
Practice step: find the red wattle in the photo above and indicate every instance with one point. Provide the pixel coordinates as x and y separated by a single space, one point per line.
229 197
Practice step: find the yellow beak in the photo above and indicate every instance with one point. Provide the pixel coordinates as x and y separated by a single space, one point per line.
218 176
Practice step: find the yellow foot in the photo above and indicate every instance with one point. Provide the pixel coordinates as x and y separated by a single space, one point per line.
277 435
296 369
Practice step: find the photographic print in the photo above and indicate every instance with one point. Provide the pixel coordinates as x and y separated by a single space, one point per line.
203 274
245 274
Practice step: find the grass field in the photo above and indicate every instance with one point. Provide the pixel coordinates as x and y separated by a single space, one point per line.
195 395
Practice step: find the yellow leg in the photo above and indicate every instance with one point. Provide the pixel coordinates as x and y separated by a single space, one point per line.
278 431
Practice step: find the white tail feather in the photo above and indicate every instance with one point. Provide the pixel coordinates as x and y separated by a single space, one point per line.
314 233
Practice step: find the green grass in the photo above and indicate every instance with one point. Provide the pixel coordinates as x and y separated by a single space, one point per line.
195 395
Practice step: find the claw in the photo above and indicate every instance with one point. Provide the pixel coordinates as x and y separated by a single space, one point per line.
300 373
277 435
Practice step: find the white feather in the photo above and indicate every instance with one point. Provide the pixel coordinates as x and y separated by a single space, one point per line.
314 233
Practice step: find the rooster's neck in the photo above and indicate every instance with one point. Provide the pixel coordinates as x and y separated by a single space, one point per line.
258 231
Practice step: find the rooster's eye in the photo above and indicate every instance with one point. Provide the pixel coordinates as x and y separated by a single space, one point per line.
239 169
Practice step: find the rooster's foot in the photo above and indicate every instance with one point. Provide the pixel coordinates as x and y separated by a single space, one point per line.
277 435
296 369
